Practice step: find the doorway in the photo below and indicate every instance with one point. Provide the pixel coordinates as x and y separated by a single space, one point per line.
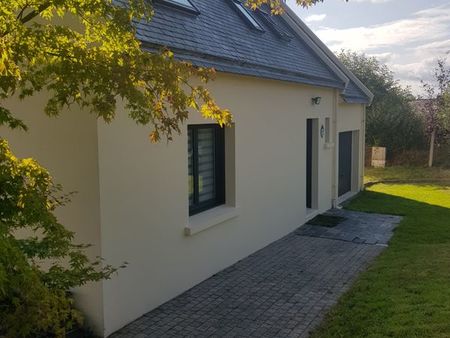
345 162
312 163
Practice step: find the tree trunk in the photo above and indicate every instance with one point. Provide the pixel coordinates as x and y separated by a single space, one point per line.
431 155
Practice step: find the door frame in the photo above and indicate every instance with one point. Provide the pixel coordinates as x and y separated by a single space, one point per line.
355 166
314 179
345 162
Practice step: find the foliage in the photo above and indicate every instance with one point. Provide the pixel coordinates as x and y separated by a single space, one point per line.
418 157
85 53
276 5
38 261
95 61
391 121
436 106
402 293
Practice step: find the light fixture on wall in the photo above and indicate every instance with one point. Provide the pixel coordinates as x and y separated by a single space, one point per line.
316 100
322 131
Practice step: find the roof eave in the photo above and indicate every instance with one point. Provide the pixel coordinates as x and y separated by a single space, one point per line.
355 99
244 68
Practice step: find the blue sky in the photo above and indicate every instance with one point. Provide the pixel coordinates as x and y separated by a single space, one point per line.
407 35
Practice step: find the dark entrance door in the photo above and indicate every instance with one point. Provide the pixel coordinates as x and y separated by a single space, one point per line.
345 162
309 152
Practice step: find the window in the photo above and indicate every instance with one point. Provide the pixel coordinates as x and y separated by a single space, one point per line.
182 4
280 31
206 167
245 13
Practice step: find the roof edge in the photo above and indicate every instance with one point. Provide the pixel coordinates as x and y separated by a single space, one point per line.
325 53
247 68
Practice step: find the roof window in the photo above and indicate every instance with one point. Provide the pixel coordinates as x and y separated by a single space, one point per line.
276 27
182 4
247 15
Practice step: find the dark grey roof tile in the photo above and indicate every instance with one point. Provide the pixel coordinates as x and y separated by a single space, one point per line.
218 37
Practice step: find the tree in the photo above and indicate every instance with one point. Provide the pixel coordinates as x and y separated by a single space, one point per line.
437 107
390 121
99 62
33 278
276 5
94 62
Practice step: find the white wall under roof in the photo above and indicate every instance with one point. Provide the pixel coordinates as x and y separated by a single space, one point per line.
133 195
144 193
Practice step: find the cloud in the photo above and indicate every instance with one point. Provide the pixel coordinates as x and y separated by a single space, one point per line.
421 28
409 46
383 57
315 17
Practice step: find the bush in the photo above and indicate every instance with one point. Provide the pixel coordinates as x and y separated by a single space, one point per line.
419 158
409 158
442 157
34 283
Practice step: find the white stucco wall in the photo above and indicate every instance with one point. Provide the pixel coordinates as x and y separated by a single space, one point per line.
144 193
67 147
132 200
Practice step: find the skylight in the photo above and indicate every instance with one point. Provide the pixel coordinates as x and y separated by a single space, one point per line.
182 4
245 13
275 26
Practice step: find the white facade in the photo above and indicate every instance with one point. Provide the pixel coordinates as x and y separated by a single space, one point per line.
132 200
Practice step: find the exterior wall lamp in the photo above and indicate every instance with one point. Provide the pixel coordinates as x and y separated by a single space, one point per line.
316 100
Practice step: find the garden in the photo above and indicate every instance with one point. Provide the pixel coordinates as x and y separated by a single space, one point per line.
405 292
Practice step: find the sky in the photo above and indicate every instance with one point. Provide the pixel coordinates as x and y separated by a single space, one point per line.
407 35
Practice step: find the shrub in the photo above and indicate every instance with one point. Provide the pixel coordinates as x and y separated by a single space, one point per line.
37 269
442 157
420 157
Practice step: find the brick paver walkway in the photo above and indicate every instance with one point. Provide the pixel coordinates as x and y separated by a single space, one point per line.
282 290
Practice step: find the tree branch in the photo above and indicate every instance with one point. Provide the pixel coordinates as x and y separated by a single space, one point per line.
30 16
20 15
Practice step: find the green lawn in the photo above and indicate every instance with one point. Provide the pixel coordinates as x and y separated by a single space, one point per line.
406 291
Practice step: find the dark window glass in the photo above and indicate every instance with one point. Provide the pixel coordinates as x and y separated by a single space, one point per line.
280 31
181 4
205 167
245 13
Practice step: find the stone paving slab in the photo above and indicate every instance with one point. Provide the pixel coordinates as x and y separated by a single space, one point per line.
283 290
358 227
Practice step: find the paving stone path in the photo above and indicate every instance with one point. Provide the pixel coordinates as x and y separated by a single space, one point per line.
283 290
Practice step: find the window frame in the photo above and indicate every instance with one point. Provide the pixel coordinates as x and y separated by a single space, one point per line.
175 4
219 168
276 28
246 15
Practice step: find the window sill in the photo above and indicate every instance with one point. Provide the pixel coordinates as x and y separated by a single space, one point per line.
210 218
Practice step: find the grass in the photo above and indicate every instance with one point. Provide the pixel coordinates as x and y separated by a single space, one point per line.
406 174
406 290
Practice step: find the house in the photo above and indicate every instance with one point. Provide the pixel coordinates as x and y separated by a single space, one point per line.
179 212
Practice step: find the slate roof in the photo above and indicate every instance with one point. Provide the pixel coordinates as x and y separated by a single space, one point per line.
219 37
354 94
